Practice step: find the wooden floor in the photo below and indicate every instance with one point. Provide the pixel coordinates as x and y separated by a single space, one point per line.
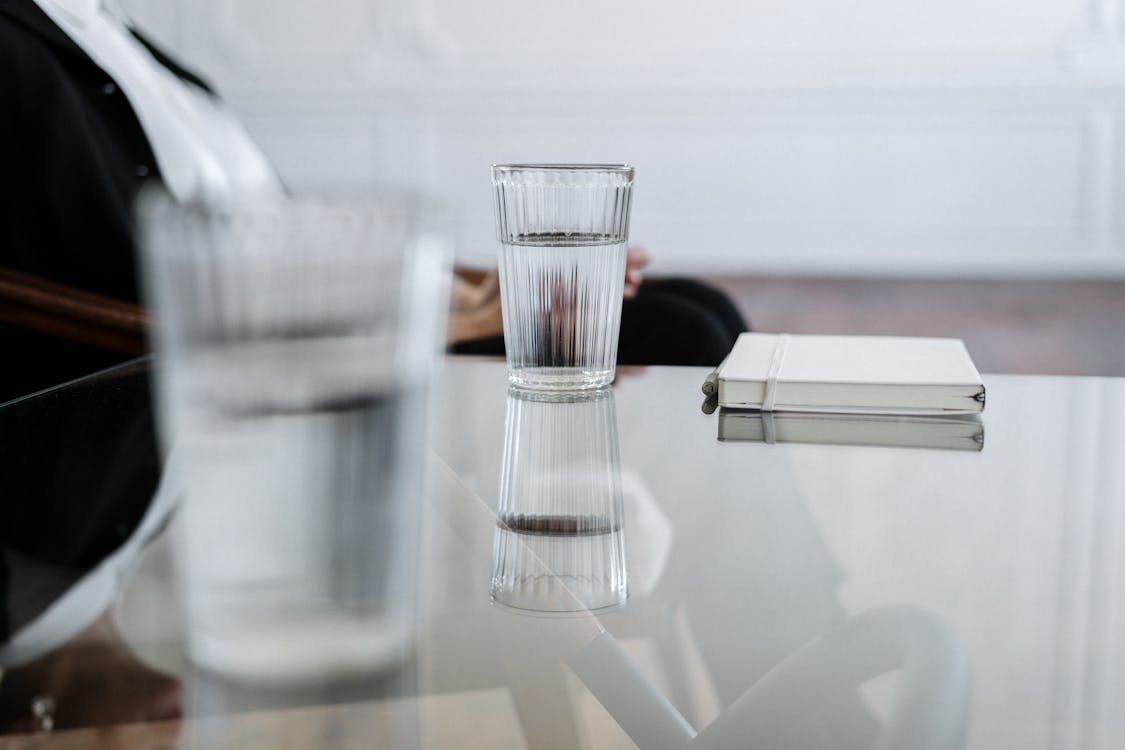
1046 327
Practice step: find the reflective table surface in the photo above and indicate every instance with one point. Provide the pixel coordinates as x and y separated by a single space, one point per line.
842 585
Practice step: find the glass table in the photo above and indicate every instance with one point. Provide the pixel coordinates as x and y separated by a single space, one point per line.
831 585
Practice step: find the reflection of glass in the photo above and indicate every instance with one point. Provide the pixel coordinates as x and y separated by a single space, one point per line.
560 538
288 336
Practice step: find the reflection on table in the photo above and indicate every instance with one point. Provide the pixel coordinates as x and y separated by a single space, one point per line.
780 594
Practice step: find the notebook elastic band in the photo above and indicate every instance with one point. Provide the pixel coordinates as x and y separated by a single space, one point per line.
769 433
775 369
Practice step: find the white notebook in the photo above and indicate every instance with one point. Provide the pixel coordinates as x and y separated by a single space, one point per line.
850 374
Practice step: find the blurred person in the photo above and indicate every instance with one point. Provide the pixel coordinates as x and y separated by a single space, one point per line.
68 541
93 109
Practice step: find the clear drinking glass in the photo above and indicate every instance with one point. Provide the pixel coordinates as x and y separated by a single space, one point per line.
294 342
560 543
563 230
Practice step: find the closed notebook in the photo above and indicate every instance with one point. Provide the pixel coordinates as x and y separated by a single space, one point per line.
850 374
949 432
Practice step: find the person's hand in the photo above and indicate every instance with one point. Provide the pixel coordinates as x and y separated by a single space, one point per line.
636 258
475 310
475 307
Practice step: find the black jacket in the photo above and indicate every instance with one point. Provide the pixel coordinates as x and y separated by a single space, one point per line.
72 158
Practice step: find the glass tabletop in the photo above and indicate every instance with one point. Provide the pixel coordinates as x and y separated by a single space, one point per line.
768 582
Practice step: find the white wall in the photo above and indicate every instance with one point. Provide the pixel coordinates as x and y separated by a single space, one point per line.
906 137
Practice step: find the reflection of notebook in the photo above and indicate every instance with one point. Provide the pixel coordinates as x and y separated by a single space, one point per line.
961 432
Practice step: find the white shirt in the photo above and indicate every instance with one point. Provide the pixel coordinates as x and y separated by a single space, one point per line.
203 152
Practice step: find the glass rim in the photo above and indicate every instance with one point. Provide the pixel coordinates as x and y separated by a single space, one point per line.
155 202
425 223
614 168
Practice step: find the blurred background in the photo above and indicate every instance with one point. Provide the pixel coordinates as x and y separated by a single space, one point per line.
878 166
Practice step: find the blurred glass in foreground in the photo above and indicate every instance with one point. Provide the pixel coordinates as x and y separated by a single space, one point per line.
294 343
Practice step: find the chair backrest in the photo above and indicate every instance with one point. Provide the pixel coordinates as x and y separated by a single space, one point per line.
66 312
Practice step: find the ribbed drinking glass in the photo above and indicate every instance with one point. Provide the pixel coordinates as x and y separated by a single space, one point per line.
563 230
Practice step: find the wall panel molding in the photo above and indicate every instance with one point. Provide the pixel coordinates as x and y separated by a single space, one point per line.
904 141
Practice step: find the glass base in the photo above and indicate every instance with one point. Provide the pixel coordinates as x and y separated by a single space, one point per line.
559 378
559 597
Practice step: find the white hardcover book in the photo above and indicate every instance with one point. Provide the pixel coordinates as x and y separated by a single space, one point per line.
850 374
